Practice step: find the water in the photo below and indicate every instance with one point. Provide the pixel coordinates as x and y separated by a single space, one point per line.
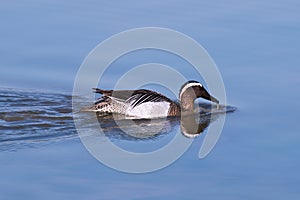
30 117
255 45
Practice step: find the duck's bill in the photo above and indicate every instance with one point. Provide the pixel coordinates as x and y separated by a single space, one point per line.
208 97
213 99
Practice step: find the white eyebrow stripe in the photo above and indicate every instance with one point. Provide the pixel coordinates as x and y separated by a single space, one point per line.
189 85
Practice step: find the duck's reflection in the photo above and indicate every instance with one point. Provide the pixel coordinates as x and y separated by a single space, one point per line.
118 127
192 125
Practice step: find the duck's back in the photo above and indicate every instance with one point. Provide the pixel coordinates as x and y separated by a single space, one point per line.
137 103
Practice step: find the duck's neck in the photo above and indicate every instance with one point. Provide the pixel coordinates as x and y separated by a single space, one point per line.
187 102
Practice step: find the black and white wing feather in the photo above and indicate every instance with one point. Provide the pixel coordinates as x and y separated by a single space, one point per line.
133 97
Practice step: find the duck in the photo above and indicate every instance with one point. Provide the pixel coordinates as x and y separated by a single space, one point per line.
143 103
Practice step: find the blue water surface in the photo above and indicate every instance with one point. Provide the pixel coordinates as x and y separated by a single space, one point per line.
255 45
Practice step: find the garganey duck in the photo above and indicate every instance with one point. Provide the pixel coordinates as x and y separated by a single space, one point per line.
149 104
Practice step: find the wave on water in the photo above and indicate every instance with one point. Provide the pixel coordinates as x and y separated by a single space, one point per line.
31 117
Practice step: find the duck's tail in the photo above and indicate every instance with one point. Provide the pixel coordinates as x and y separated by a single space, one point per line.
103 92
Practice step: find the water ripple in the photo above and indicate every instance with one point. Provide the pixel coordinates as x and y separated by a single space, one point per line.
31 116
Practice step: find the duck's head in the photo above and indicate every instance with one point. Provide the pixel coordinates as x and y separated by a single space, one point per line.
190 91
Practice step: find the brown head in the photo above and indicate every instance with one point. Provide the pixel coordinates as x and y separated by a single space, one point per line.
190 91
